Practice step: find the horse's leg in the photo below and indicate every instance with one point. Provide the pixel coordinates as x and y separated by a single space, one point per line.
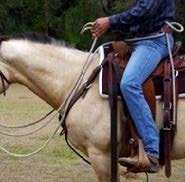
101 163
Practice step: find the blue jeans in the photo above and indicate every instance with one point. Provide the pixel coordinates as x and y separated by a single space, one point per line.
144 59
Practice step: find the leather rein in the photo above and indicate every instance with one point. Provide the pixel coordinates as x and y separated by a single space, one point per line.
4 80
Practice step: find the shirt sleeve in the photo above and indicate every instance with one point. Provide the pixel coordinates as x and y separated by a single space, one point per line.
142 10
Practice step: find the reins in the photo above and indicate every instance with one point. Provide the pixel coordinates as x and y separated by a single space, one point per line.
29 124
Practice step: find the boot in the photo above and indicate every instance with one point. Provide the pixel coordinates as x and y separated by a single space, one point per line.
140 162
133 165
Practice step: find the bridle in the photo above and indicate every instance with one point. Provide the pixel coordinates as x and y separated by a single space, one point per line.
3 81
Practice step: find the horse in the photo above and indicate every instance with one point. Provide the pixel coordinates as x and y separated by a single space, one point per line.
49 70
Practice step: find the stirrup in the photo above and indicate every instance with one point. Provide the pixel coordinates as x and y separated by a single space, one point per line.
138 159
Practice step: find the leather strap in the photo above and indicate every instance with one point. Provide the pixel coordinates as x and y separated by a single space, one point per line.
167 117
80 93
113 91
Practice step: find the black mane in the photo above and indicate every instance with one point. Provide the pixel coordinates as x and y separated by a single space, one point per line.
32 36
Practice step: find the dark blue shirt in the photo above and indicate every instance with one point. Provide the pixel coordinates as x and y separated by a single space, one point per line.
145 16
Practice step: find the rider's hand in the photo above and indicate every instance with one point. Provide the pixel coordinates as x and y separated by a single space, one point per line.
100 26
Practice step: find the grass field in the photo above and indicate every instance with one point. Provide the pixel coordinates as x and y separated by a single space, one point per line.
56 163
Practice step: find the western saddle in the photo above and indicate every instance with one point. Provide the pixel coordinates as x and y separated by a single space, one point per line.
160 83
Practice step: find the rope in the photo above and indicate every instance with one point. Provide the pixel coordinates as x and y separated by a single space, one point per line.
27 125
26 134
34 152
145 38
174 25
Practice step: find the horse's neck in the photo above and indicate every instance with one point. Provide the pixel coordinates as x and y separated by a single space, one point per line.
48 71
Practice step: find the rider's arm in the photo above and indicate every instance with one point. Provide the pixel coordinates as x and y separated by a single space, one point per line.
140 11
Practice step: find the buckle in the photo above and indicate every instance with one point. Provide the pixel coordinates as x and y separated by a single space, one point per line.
166 128
87 85
167 108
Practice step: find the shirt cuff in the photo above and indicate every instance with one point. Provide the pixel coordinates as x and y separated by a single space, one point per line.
113 22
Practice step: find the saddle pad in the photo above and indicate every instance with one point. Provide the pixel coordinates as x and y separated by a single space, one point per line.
158 81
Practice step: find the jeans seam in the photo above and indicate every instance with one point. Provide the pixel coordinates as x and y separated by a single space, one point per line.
141 70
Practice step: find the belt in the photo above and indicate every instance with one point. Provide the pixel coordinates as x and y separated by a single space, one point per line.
164 29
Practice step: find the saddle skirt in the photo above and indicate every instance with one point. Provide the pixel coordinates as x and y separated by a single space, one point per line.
157 75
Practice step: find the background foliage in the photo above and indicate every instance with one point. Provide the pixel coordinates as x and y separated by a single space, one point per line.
63 19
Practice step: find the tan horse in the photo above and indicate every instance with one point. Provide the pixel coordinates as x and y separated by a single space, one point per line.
49 70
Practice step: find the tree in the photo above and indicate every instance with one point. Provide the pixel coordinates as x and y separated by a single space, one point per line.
63 19
46 11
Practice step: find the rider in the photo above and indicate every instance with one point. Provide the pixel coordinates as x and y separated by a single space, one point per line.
145 18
